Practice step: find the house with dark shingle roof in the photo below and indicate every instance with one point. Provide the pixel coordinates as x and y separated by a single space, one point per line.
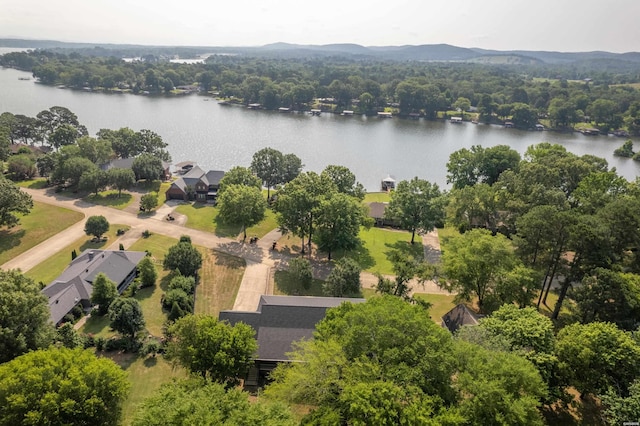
278 322
459 316
75 285
196 185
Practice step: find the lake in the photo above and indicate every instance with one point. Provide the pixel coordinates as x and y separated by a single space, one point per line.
219 137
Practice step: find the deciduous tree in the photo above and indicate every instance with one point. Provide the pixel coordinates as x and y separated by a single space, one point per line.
93 180
121 179
345 181
104 293
96 226
239 176
344 279
300 268
212 349
184 258
62 386
24 317
338 221
597 356
474 262
267 164
147 272
242 205
200 402
417 206
148 202
12 201
298 203
147 166
126 316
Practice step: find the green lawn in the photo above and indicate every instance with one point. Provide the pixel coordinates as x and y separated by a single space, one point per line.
204 217
377 197
110 199
38 183
287 285
220 279
146 376
32 230
378 243
150 297
440 304
48 270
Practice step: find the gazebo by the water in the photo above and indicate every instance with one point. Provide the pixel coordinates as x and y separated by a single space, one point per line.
388 183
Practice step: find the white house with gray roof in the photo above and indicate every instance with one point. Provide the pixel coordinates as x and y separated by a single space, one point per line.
75 285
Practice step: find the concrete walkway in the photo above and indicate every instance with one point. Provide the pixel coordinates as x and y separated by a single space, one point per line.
255 283
260 259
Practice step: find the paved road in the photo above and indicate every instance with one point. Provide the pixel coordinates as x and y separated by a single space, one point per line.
259 257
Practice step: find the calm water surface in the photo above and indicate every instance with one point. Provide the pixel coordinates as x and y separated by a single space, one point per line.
219 137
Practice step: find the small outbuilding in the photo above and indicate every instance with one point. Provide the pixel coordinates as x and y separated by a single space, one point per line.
459 316
388 183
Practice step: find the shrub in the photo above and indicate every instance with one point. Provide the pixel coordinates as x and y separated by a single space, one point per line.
100 343
186 284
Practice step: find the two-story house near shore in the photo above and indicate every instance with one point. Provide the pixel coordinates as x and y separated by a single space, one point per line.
278 322
196 185
75 285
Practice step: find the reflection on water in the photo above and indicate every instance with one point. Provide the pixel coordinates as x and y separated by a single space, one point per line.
222 136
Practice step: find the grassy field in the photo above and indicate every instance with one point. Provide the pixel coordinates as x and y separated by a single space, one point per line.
150 297
38 183
287 285
440 304
204 217
377 197
220 279
110 199
146 376
48 270
372 255
31 232
378 243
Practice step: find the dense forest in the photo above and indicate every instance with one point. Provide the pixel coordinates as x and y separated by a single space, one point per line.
562 96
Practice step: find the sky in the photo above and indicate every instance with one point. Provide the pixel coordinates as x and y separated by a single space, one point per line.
557 25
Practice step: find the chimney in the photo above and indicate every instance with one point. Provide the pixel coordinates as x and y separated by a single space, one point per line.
91 254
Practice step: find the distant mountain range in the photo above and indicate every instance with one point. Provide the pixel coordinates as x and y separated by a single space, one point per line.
425 52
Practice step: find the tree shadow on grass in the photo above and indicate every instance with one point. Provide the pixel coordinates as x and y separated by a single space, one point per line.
150 362
405 249
90 244
96 324
10 239
145 293
111 199
286 283
245 250
229 261
227 230
360 254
